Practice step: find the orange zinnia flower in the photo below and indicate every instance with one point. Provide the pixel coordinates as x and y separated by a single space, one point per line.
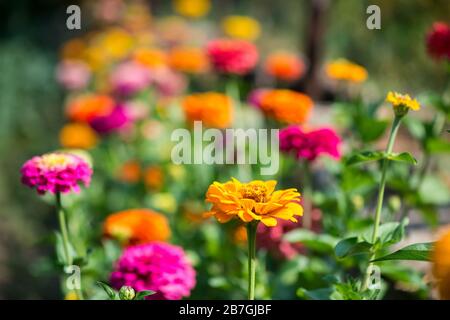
137 226
441 264
130 172
214 109
77 136
255 200
189 60
153 177
286 105
345 70
151 58
284 66
87 107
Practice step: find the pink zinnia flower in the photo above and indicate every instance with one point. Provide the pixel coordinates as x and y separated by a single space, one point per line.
157 266
168 82
129 78
438 41
118 119
232 56
310 144
56 172
255 96
271 238
73 74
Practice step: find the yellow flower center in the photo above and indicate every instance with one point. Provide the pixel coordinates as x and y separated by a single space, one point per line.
257 192
55 160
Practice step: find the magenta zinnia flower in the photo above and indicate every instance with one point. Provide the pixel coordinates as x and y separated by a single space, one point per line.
232 56
438 41
157 266
119 118
310 144
56 172
129 78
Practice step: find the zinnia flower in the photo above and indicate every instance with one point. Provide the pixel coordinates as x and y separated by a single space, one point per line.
150 57
241 27
116 120
129 78
255 200
438 41
77 136
286 105
441 264
188 60
310 144
153 177
56 172
116 43
137 226
168 82
214 109
73 74
402 103
160 267
130 172
284 66
192 8
345 70
84 108
232 56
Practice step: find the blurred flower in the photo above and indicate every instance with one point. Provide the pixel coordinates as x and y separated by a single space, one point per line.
310 144
214 109
71 295
173 30
150 57
255 200
116 43
108 10
241 27
77 136
137 226
441 264
130 172
284 66
232 56
116 120
73 74
240 234
192 8
189 60
286 105
153 177
438 41
160 267
73 49
176 171
402 103
168 82
137 16
342 69
164 202
255 96
272 239
129 78
96 58
56 172
84 108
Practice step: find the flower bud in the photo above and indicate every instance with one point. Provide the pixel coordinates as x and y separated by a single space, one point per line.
127 293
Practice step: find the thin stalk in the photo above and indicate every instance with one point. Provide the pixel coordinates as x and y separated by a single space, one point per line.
307 196
376 225
251 238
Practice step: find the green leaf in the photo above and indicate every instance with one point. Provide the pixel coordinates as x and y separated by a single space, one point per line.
112 294
416 252
142 294
312 240
316 294
388 233
402 157
370 129
60 252
350 247
437 145
366 156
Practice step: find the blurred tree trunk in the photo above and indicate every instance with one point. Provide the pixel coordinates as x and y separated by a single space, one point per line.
314 45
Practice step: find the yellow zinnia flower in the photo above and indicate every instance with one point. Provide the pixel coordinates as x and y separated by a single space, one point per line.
343 69
255 200
241 27
192 8
441 265
402 102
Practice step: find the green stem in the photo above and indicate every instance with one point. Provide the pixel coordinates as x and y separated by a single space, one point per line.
251 238
393 134
307 196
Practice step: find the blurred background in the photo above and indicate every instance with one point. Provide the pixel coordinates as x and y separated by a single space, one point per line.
31 113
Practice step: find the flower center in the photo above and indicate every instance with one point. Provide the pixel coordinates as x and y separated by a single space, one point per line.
55 160
257 192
